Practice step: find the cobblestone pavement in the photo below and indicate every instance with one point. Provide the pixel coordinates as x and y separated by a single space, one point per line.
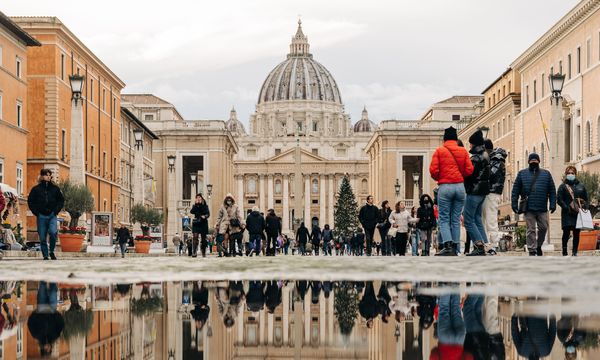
519 276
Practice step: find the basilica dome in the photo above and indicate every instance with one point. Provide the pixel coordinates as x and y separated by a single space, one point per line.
364 125
300 77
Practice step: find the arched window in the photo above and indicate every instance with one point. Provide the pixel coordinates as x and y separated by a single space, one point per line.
588 138
252 186
364 186
277 186
499 135
315 186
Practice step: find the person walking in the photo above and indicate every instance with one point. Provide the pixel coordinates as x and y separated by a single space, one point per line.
315 238
46 323
493 199
229 226
414 234
572 195
273 229
367 216
477 187
400 218
255 224
201 214
123 236
45 201
383 225
358 242
427 222
327 240
450 165
302 235
533 189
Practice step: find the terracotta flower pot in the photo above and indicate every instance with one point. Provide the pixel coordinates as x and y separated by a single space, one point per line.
142 247
588 240
71 242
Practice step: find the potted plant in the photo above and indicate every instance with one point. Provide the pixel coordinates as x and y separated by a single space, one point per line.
78 201
142 244
145 217
146 304
78 323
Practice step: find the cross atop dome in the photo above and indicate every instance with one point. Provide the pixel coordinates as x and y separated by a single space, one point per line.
299 45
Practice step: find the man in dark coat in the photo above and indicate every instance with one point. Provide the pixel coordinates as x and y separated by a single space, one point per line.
368 306
533 337
201 214
255 224
368 216
427 222
123 236
494 198
273 230
45 201
538 196
45 323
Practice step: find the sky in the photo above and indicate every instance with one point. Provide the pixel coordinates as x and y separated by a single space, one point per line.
396 57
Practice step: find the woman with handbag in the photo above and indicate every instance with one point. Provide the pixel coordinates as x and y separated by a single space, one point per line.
383 225
229 226
571 197
201 214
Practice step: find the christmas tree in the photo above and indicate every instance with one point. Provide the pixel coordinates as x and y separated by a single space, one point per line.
346 307
346 209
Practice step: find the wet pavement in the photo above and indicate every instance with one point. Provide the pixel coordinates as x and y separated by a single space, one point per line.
301 308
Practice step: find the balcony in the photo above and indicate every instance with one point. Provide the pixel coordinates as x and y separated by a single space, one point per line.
184 204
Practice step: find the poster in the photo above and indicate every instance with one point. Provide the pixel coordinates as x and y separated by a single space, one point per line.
156 232
186 224
102 231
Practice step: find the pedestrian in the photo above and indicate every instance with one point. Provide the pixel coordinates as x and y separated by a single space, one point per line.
176 243
383 225
414 233
368 216
201 214
533 336
229 226
286 244
400 218
477 187
427 222
533 190
358 242
450 165
493 199
46 323
572 196
123 236
273 230
255 224
45 201
201 310
367 307
327 240
315 238
302 235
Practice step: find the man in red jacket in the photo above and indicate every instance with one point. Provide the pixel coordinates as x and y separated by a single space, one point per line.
450 166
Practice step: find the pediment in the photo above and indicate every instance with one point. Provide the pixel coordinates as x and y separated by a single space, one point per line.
288 157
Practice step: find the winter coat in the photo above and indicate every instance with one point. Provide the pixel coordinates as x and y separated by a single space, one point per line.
272 296
45 198
315 235
543 191
449 352
400 220
368 215
327 235
450 164
478 182
383 219
563 197
201 213
367 307
273 225
123 235
255 298
426 215
226 213
533 335
302 235
255 223
2 202
358 239
497 171
45 327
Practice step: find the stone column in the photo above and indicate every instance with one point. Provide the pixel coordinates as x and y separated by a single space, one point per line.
270 202
261 193
322 200
240 192
286 204
330 200
307 202
307 317
286 314
322 319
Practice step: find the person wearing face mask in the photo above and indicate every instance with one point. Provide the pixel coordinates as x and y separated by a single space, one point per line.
426 222
570 197
229 226
533 189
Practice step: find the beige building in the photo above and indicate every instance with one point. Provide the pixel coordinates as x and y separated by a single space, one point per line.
502 106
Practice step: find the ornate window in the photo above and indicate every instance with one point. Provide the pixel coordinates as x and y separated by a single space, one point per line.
315 125
277 187
251 186
364 186
315 186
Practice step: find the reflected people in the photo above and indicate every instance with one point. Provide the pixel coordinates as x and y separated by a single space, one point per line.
201 309
533 336
45 322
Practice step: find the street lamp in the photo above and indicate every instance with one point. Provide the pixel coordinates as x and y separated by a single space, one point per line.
171 162
194 177
171 354
416 177
209 189
397 187
138 136
397 332
485 131
557 81
76 81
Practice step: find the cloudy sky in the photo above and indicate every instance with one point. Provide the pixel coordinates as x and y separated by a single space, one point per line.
397 57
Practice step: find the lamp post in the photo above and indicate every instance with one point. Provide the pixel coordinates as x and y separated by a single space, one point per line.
485 131
397 188
171 354
76 162
194 178
173 221
171 162
416 176
397 332
138 135
209 189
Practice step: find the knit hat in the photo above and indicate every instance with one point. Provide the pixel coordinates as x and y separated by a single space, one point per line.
450 134
533 156
489 145
477 138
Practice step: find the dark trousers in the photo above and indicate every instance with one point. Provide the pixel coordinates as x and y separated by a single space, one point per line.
369 232
233 239
386 246
316 248
195 241
271 244
565 240
400 243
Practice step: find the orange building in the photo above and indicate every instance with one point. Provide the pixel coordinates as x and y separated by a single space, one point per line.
49 67
14 122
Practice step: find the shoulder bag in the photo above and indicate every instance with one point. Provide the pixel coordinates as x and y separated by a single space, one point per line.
574 205
523 202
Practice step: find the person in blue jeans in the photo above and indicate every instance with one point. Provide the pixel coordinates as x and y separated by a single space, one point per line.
477 187
45 323
450 165
45 201
451 325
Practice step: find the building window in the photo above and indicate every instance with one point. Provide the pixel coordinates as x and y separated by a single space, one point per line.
364 186
534 91
63 140
509 86
569 74
588 53
277 186
252 186
92 90
560 67
527 96
278 201
92 158
19 114
588 138
315 152
114 106
456 117
18 72
148 117
493 97
315 186
0 106
551 70
1 170
315 125
104 163
579 59
62 66
315 201
19 179
503 90
542 82
251 152
340 152
299 125
277 151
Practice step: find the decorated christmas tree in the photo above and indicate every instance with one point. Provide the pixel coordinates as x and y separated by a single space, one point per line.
346 209
346 307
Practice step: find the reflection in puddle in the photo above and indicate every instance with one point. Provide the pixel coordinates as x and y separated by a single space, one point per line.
288 319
